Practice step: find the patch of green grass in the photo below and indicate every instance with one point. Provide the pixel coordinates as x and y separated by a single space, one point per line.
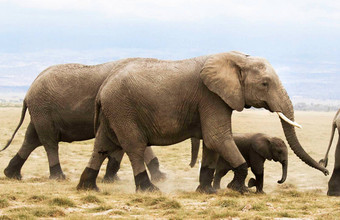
231 193
224 214
157 202
292 193
4 217
37 198
101 208
227 203
31 212
259 206
4 203
171 204
64 202
49 212
91 199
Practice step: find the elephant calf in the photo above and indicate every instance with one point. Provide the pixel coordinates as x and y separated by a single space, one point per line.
255 148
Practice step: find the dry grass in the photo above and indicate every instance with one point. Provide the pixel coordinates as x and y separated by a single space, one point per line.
302 196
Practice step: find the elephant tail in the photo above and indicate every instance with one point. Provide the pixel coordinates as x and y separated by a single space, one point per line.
23 113
195 144
324 161
96 115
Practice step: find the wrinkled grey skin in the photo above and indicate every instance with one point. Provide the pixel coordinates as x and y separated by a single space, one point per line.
61 105
165 102
334 182
255 148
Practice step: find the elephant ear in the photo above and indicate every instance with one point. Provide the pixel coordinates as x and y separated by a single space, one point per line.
262 146
222 75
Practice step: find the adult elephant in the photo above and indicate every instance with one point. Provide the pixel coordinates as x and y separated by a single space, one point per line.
334 182
61 104
165 102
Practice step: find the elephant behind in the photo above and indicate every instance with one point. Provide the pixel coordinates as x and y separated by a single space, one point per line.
164 102
334 182
255 148
61 105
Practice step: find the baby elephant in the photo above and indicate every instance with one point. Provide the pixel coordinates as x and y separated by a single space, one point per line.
255 148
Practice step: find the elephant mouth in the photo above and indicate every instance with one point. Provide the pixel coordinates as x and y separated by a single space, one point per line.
266 106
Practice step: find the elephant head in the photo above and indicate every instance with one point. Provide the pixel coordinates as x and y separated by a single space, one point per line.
242 81
272 148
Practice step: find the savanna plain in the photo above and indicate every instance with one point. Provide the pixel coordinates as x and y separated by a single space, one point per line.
303 195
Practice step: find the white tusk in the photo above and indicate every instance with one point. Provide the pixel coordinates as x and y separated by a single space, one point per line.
283 117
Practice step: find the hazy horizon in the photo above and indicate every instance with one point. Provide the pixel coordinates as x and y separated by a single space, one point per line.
299 38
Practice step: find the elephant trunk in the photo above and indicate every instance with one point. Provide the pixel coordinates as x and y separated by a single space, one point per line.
292 139
284 171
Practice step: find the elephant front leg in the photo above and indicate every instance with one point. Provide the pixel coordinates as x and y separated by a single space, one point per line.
209 161
142 180
334 182
215 118
232 155
259 183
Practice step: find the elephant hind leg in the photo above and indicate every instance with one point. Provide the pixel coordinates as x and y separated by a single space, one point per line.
142 180
209 160
152 164
103 147
48 136
113 165
31 141
222 168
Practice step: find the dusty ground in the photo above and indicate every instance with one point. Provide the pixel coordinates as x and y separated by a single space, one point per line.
303 195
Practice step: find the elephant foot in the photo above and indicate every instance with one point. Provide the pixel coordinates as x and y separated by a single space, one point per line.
156 174
207 189
238 183
333 184
143 183
110 178
237 187
111 171
333 193
88 180
260 192
14 167
56 173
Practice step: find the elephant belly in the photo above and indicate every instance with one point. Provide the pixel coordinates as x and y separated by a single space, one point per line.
172 132
77 132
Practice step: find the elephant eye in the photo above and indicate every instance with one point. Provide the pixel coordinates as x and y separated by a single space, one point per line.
265 84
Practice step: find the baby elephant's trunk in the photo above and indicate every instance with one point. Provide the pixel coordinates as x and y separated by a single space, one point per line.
284 171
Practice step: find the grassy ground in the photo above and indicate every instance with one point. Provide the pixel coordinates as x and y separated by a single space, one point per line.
303 195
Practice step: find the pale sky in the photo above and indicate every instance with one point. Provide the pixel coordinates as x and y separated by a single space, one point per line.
297 37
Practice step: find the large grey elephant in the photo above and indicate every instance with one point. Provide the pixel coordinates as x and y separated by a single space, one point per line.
61 104
157 102
334 182
255 148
